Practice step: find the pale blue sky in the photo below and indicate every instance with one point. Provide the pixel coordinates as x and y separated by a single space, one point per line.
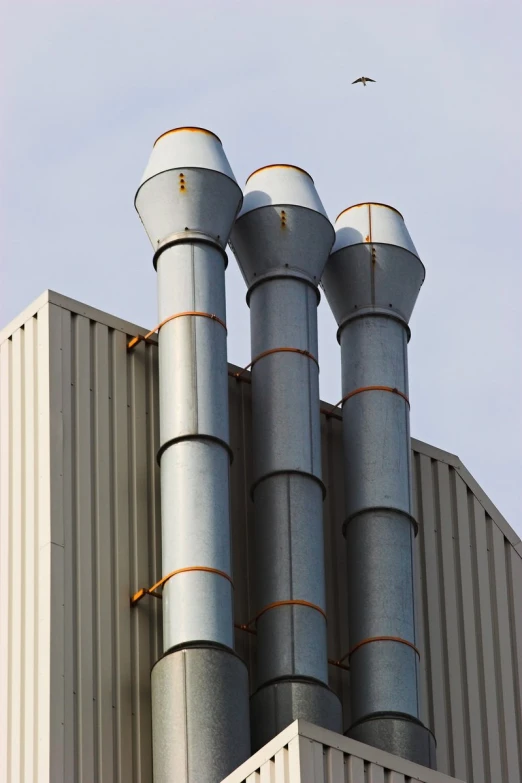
88 85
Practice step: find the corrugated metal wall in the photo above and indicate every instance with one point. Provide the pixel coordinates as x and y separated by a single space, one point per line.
79 534
303 753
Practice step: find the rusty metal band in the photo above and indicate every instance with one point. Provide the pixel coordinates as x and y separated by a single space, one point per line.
390 389
383 639
152 590
295 602
193 129
276 350
139 338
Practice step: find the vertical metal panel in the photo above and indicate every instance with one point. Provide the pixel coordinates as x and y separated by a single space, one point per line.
15 638
52 530
5 551
120 441
79 534
48 583
469 641
30 549
473 719
452 632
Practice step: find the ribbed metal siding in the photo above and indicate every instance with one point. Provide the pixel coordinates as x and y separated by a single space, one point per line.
27 555
307 754
470 619
79 534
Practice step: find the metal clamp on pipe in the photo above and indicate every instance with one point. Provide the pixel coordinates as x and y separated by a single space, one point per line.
191 237
144 337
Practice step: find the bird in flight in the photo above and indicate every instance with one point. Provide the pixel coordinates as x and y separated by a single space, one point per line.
363 80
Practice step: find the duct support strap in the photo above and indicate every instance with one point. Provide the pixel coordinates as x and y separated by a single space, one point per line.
187 201
372 280
281 241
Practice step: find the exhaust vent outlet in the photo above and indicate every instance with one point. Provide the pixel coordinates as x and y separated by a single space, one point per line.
188 200
281 240
372 281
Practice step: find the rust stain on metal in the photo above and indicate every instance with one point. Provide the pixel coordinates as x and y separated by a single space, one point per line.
283 218
182 182
396 639
136 598
190 129
280 166
367 204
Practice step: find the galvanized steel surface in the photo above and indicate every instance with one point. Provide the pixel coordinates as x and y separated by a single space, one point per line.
384 271
371 223
191 279
192 380
204 729
282 207
287 434
287 489
274 707
183 147
79 534
188 215
281 185
195 466
378 469
379 525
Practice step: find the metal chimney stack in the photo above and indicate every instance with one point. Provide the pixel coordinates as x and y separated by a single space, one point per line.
372 281
281 240
187 201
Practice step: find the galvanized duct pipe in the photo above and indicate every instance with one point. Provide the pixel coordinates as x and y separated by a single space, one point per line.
187 201
281 240
372 281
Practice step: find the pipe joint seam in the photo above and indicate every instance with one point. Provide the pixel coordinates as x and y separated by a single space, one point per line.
376 312
391 715
291 678
188 237
388 509
180 438
288 274
272 473
203 644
